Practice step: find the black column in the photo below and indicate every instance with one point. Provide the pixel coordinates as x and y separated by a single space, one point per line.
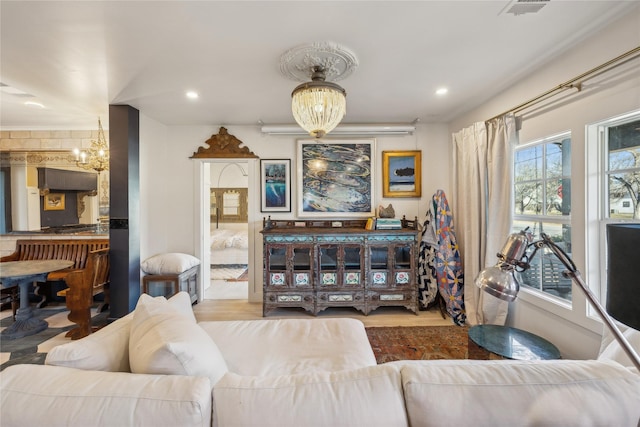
124 208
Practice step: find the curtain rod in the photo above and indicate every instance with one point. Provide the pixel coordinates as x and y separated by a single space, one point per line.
570 84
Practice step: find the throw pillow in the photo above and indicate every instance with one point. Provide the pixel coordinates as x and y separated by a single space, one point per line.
612 350
170 263
163 341
108 348
105 350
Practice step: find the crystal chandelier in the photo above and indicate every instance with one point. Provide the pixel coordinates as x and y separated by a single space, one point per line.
97 156
318 106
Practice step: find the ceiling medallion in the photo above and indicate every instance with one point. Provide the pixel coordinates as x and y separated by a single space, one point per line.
318 105
337 61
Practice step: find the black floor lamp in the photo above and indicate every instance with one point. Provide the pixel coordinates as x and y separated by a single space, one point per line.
500 281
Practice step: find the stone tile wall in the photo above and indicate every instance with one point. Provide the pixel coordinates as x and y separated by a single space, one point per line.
44 140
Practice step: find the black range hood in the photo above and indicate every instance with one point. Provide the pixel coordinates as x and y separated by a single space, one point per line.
66 180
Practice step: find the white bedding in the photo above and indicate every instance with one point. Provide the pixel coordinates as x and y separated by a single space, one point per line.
229 246
223 239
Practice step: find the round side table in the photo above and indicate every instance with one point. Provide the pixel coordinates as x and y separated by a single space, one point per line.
513 343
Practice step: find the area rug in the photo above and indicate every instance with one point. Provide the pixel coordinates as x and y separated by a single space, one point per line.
244 277
418 342
226 272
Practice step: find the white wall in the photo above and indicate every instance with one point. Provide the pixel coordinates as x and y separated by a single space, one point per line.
167 173
168 207
226 174
571 329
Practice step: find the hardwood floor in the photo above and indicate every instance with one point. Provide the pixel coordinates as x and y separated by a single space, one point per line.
208 310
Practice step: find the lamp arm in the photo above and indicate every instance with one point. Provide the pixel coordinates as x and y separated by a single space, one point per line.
573 272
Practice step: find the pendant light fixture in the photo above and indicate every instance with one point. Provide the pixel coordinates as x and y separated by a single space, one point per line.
319 105
97 156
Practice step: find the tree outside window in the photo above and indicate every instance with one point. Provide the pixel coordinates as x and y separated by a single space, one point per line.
542 202
623 170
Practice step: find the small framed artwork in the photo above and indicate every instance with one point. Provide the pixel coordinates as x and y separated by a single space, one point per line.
275 185
335 179
54 202
401 173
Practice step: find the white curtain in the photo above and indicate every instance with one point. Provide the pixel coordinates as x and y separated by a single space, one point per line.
482 164
469 178
501 139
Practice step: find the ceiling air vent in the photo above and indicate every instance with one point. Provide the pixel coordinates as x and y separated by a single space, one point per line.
520 7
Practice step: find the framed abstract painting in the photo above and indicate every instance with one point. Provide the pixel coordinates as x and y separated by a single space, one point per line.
275 185
335 179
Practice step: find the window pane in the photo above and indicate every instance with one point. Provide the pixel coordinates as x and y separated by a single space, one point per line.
528 199
558 197
545 273
528 164
554 160
624 161
621 202
624 146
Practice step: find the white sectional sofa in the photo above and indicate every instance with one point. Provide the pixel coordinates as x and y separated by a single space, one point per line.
158 367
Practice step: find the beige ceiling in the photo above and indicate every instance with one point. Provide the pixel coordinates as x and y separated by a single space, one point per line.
77 57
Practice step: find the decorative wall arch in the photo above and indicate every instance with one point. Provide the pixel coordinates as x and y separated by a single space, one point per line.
223 146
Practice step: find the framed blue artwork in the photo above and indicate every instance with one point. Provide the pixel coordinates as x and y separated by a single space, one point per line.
275 185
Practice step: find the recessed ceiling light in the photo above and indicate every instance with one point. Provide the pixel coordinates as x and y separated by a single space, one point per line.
34 104
442 91
192 94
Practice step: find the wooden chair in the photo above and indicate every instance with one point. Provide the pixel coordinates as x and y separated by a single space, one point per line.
12 296
76 250
83 285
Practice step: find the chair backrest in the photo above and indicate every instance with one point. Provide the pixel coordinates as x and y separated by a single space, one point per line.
71 250
98 270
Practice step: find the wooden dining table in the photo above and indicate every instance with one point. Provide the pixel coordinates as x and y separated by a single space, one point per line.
23 274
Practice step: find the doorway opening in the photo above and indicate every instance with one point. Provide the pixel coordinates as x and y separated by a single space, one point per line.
227 222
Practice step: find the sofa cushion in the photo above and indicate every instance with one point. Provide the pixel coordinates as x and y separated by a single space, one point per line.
105 350
35 395
164 341
610 349
291 346
370 396
170 263
505 393
108 348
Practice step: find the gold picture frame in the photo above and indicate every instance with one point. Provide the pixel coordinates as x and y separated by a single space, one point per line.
54 202
402 173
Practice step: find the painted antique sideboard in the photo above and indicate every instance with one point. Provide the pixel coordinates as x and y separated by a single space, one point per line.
319 264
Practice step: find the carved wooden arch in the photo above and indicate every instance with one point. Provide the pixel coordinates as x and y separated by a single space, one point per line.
223 146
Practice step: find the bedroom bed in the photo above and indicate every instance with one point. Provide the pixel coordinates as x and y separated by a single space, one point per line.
229 246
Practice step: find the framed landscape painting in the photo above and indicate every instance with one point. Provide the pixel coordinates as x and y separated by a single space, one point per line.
401 173
275 185
335 179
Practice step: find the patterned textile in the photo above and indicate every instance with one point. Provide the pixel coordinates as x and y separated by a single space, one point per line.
448 263
427 280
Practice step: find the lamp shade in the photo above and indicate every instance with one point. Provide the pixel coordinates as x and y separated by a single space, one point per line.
318 106
499 281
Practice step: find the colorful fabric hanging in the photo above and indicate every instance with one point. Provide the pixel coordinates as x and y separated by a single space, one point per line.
427 279
448 264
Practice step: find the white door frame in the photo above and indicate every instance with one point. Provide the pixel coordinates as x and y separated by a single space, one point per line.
202 184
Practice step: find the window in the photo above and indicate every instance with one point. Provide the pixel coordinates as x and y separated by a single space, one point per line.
621 145
613 187
542 202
